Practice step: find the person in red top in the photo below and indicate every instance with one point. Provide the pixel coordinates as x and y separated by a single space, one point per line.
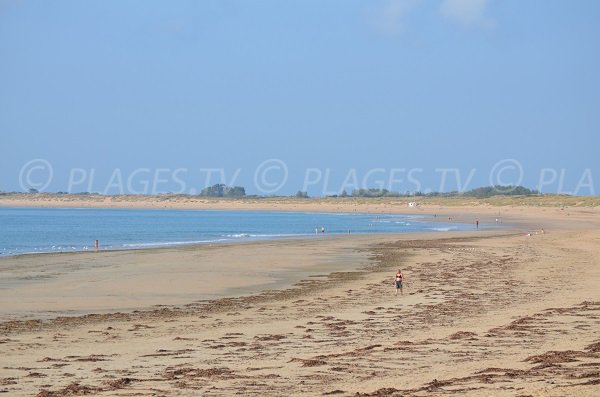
399 281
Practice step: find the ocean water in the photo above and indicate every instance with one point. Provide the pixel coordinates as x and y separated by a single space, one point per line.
35 230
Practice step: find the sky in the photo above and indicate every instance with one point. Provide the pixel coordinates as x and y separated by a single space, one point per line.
281 96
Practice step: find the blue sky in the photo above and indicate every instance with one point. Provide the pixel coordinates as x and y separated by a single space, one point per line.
330 89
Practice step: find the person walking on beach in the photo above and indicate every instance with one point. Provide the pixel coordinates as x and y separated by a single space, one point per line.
399 281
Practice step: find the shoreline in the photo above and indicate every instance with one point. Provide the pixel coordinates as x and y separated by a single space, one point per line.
123 260
43 271
144 246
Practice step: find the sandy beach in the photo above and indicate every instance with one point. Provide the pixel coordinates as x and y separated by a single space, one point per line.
504 312
215 198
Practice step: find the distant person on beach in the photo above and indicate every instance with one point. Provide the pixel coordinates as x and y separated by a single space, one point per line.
477 223
399 281
322 229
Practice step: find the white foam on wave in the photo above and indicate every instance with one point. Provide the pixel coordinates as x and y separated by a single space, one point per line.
169 243
280 235
444 229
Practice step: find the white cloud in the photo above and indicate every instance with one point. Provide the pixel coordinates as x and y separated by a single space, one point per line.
388 17
466 12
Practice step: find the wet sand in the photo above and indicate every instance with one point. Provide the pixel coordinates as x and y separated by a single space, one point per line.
50 285
482 313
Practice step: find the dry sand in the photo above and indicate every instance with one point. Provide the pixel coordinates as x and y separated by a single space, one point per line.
483 313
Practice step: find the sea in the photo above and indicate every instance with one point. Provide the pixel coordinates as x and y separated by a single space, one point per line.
43 230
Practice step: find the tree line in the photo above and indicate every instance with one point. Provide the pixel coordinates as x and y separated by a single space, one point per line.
222 190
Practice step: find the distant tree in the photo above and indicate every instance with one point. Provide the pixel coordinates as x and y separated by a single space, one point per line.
301 194
370 192
213 191
480 192
500 190
236 191
221 190
32 190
